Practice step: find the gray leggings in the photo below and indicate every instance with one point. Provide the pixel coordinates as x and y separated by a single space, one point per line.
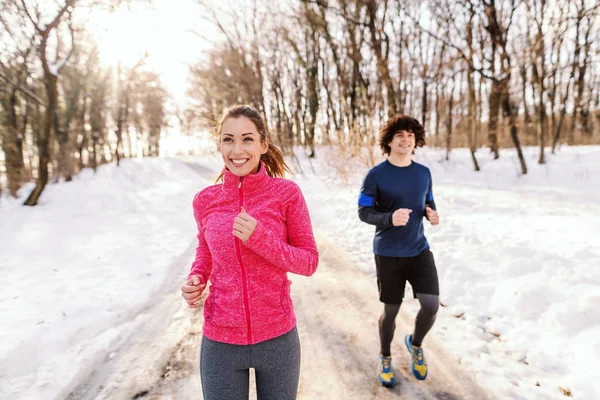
423 323
224 368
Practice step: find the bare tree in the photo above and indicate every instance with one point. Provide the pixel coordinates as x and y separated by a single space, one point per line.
51 72
14 94
378 38
537 9
582 57
341 67
125 81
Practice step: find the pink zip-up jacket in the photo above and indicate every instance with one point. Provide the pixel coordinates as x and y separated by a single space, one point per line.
249 300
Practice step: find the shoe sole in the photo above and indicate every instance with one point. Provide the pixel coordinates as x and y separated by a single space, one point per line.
387 384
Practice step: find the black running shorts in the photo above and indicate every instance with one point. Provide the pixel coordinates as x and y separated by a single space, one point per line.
393 272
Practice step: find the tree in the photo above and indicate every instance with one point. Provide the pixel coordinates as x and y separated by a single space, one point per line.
14 93
51 73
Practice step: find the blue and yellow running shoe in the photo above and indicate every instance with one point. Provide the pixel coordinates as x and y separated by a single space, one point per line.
418 364
385 375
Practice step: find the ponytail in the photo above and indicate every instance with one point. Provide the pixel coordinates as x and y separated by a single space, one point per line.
274 162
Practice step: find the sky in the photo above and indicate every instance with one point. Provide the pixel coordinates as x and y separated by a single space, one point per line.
165 29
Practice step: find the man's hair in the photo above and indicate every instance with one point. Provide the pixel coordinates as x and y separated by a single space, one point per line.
401 123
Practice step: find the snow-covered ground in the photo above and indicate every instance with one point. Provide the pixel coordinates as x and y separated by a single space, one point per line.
517 259
77 270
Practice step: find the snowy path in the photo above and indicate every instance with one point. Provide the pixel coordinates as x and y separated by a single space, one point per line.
337 312
154 356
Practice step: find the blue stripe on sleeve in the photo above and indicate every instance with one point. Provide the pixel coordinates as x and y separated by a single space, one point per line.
429 196
365 201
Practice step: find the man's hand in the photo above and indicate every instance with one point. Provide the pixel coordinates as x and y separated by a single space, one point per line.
401 216
432 216
243 226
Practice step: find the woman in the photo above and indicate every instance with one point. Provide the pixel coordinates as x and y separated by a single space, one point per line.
253 228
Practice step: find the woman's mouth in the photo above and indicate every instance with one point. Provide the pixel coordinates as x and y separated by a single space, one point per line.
238 162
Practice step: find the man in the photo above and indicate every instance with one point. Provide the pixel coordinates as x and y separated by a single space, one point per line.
395 196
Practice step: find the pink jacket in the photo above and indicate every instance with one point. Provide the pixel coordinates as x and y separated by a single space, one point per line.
249 300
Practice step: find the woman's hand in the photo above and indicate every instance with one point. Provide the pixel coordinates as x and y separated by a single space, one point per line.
192 290
243 226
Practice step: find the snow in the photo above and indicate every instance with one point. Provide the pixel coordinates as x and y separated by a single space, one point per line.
516 255
78 269
517 260
54 68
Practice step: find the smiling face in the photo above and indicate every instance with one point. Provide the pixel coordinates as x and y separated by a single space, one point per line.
241 145
402 143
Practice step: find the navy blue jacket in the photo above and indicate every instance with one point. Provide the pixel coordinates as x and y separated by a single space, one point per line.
387 188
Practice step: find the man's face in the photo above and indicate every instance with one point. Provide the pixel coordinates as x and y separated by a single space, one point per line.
402 143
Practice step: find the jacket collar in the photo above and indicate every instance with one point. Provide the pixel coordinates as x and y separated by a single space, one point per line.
250 182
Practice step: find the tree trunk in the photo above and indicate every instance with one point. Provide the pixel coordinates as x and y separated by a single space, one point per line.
342 80
383 70
83 139
438 114
122 118
585 109
576 100
472 127
312 92
66 143
119 134
563 109
401 93
541 75
472 111
424 103
494 112
12 144
512 120
526 116
51 83
449 123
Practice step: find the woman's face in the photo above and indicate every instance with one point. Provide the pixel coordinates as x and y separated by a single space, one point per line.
241 146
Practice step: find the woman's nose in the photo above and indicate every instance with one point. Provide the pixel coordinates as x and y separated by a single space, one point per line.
237 147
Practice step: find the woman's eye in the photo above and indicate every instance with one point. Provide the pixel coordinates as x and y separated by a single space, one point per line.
248 139
227 139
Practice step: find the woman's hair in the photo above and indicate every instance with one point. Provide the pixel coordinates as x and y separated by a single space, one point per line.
273 158
401 123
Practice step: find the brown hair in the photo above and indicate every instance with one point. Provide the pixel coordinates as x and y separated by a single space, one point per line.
401 123
273 158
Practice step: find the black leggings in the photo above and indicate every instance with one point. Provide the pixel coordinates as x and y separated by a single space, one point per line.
225 368
425 318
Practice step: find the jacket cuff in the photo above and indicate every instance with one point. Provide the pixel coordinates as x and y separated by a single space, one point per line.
198 273
389 219
257 239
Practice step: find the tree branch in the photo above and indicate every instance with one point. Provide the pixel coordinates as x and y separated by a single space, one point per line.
35 25
23 90
455 47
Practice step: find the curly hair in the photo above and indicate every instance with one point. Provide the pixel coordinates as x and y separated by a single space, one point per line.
401 123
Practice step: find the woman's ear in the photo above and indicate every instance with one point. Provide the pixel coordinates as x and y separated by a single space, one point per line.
264 147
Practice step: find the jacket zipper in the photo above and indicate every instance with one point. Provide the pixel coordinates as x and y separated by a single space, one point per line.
239 255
